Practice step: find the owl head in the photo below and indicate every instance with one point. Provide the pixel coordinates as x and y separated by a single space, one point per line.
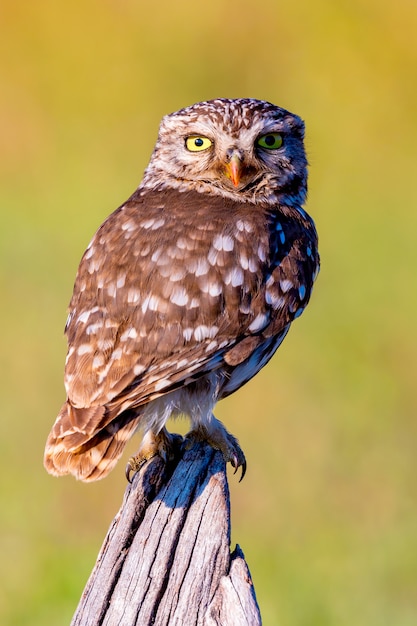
245 149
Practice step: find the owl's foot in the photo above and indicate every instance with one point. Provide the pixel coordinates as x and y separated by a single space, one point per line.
216 435
163 444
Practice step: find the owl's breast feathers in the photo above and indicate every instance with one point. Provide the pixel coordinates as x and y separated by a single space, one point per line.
175 285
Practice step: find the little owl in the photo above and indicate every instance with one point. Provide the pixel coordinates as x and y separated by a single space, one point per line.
186 291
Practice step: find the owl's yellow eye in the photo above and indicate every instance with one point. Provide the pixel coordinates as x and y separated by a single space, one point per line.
197 143
270 141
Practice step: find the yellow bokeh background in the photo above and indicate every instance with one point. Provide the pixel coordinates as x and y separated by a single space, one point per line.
327 515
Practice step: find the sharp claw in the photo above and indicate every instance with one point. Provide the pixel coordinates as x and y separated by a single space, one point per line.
132 468
128 471
243 471
236 464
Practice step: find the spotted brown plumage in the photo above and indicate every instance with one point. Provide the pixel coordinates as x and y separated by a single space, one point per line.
186 291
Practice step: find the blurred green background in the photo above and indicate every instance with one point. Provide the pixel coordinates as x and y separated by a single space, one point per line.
327 515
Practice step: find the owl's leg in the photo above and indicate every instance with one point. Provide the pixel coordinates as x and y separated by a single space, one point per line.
162 443
216 435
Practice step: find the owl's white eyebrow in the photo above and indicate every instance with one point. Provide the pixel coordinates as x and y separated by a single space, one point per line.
199 134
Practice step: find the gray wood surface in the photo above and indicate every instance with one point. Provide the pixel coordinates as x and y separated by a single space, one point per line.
166 558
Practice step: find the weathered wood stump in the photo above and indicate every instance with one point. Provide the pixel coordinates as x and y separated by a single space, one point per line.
166 558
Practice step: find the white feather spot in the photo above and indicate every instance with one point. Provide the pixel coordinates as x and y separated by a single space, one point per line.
145 250
117 354
210 287
198 266
223 242
262 253
185 244
93 328
179 296
160 384
69 354
133 296
242 225
245 308
156 255
215 289
83 317
85 348
94 265
285 285
276 301
121 279
130 333
177 274
158 223
112 290
244 261
163 259
151 302
129 226
260 321
214 258
138 369
205 332
187 333
175 253
105 344
101 377
234 277
98 360
89 252
69 318
202 267
153 223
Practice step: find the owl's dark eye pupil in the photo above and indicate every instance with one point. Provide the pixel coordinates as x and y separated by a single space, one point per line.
198 142
269 140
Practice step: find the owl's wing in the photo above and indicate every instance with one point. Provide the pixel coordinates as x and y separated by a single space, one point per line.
172 286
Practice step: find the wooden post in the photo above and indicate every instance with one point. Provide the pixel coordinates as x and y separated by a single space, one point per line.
166 558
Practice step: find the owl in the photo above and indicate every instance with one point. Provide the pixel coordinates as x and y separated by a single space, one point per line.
186 291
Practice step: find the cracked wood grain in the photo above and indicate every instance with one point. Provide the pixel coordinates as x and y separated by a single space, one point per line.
166 558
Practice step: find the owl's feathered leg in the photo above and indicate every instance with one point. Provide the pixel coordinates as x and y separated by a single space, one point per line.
162 443
216 435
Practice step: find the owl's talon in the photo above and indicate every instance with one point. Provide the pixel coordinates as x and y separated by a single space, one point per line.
219 439
133 466
243 466
236 465
163 444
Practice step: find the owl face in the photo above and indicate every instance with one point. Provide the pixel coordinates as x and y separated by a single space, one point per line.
248 150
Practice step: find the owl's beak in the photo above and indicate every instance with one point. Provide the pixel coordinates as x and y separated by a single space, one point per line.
233 169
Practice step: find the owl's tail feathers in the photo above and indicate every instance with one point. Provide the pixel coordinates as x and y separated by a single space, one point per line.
88 456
